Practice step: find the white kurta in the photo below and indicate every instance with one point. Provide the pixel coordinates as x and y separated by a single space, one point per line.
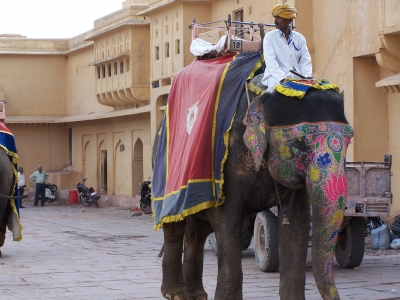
21 180
282 55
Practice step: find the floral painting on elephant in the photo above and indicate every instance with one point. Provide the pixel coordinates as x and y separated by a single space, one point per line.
312 153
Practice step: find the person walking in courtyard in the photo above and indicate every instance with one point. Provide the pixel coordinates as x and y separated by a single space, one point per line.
284 50
40 177
21 184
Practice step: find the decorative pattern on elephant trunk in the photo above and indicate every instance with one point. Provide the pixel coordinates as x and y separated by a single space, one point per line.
316 153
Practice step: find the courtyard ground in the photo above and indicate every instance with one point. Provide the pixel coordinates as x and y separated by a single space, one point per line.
73 252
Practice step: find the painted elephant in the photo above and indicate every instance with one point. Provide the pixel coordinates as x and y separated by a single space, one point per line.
9 217
298 161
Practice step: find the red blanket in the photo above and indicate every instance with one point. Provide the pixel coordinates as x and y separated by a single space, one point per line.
193 142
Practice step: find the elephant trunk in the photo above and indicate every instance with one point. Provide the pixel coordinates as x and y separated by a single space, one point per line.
315 153
328 202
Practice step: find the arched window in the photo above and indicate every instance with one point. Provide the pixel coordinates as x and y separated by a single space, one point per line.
120 44
97 52
108 46
102 50
127 48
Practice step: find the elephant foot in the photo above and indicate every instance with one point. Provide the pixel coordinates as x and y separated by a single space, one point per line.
199 295
202 297
175 297
0 253
174 293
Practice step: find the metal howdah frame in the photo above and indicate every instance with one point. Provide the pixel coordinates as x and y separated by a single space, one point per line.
241 36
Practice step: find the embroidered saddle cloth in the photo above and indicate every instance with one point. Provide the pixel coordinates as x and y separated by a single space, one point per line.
192 147
299 87
255 134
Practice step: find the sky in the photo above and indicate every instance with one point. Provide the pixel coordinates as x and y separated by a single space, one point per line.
52 18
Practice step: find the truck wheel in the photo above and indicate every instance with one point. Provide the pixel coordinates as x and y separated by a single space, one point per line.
350 244
266 241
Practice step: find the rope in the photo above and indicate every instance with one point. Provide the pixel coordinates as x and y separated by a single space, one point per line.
286 209
247 93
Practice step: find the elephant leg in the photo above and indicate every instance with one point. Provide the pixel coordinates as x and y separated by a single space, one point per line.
228 232
196 234
172 283
293 244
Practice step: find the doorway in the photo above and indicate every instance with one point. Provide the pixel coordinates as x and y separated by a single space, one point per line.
103 184
238 16
137 167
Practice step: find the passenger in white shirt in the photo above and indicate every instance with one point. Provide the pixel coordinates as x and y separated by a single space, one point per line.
21 184
284 49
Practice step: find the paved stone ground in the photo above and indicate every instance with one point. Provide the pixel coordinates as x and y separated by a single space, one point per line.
73 252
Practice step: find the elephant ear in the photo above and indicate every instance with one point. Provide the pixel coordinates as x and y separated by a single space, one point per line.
254 136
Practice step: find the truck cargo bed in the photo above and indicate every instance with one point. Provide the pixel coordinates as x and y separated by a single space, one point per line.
369 188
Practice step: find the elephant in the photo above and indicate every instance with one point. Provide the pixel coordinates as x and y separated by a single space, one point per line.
8 210
299 167
7 180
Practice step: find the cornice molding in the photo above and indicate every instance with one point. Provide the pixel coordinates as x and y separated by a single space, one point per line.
50 46
115 116
116 27
126 13
157 5
390 30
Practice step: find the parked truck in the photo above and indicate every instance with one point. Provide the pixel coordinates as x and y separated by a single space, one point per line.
369 196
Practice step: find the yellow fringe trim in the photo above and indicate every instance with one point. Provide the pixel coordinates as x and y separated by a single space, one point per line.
16 217
224 159
256 67
214 125
330 86
300 94
185 213
255 89
289 92
12 154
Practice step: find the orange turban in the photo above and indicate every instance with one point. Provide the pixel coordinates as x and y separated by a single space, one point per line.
284 11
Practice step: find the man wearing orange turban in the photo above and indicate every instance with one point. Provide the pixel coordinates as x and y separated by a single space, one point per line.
284 49
284 11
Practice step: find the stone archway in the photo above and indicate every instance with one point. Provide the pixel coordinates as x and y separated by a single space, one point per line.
119 178
102 167
86 164
161 102
137 167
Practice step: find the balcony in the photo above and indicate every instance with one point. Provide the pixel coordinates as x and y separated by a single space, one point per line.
137 95
115 85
